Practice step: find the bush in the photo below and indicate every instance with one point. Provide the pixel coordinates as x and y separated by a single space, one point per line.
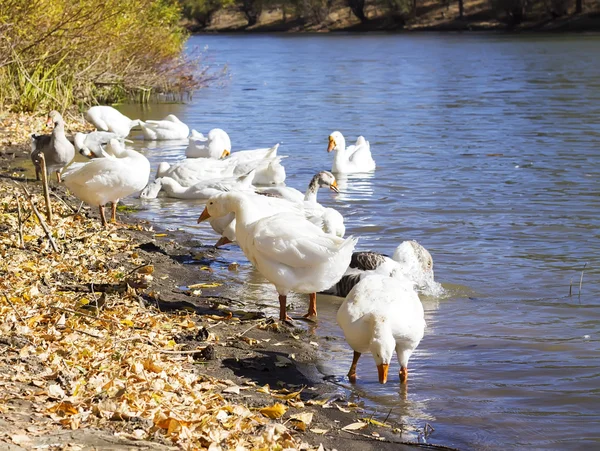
54 53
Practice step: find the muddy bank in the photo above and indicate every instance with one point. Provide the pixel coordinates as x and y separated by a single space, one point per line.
117 371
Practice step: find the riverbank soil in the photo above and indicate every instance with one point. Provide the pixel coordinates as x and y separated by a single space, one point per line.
109 341
430 16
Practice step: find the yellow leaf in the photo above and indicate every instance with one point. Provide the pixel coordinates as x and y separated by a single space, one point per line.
148 269
127 322
354 426
275 411
287 396
204 285
302 420
375 422
264 389
160 235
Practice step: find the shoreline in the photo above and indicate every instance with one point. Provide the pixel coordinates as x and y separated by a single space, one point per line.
230 24
247 352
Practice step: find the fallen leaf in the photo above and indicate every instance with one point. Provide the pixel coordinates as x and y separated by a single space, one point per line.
354 426
319 431
55 391
287 396
234 389
275 411
302 420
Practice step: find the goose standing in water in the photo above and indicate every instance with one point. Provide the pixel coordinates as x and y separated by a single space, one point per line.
57 149
382 314
287 249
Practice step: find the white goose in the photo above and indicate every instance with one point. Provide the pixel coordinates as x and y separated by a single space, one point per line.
93 142
380 315
200 190
354 159
193 170
291 252
190 171
169 128
283 198
215 145
410 261
106 118
102 180
329 218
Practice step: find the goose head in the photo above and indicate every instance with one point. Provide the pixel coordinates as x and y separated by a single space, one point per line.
382 347
54 118
216 207
327 179
336 142
219 143
151 190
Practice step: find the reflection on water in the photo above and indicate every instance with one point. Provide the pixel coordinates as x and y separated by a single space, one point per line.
487 154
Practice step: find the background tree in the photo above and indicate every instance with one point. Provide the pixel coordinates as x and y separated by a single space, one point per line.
358 9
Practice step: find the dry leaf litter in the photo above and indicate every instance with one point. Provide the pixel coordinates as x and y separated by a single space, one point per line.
90 359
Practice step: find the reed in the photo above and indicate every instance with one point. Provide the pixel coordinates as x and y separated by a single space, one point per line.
58 53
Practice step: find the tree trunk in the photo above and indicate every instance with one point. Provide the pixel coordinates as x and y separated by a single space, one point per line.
579 6
358 8
461 9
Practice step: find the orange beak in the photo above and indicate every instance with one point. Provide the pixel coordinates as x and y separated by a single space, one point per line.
331 144
334 187
49 122
383 370
225 153
223 241
204 216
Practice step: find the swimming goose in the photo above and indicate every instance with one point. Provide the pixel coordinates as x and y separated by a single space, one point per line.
410 260
382 314
288 250
57 149
108 119
102 180
354 159
200 190
215 145
169 128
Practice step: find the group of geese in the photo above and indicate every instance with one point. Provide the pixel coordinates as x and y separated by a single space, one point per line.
291 239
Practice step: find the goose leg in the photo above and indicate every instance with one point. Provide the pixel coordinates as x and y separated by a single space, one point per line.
58 177
38 173
113 212
222 241
102 217
403 374
312 305
283 316
352 372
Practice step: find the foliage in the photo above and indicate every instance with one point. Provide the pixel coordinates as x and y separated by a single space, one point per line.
201 11
55 52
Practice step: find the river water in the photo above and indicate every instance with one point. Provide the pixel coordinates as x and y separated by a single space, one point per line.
487 149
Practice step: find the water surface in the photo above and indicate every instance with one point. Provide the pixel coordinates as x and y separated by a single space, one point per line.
487 151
